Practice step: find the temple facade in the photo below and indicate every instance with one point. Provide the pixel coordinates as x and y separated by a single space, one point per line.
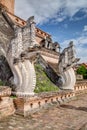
41 36
22 44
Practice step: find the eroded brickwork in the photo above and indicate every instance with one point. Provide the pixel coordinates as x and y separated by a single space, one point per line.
9 4
6 103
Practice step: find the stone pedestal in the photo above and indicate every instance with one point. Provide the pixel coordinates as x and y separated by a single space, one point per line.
6 103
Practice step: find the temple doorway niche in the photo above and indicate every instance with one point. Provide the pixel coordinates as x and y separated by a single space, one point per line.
5 72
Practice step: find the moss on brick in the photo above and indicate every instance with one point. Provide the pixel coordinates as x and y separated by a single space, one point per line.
43 83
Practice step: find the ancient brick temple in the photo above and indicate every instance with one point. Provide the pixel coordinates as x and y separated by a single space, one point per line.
21 43
9 5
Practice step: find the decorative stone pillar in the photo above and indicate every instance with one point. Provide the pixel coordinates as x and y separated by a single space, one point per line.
46 43
14 44
66 62
31 23
57 49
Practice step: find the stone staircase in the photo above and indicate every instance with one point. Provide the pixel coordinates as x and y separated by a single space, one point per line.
48 67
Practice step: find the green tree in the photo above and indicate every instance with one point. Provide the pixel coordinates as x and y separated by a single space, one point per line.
83 71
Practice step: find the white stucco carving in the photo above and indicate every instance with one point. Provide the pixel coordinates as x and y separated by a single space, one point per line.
67 60
24 77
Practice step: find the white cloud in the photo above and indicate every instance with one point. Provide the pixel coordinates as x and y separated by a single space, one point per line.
85 28
43 10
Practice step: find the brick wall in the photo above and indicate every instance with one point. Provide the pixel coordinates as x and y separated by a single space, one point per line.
32 104
9 4
27 105
81 87
6 103
6 107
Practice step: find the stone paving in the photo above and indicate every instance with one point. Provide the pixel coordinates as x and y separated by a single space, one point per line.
69 116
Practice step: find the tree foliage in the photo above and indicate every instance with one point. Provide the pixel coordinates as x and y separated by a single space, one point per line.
83 71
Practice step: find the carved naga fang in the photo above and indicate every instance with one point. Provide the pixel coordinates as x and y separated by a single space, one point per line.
14 41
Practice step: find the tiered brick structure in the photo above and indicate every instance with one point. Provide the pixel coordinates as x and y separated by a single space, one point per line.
20 39
21 43
8 5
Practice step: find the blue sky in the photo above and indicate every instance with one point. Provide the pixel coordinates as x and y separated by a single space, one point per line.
65 20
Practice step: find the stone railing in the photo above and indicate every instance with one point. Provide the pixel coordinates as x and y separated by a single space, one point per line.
6 103
81 87
27 105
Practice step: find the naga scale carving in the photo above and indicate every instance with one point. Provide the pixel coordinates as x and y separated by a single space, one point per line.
14 41
67 60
